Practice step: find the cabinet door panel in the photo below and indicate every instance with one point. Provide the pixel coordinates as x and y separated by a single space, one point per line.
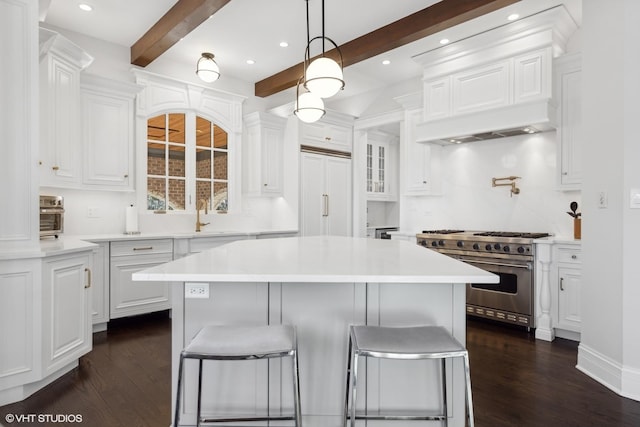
311 195
569 301
338 200
66 300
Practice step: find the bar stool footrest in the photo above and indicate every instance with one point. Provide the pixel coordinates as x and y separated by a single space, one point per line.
384 417
240 419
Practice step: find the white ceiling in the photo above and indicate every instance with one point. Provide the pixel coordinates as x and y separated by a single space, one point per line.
253 29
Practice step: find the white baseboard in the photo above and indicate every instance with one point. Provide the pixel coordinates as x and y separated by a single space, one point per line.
618 378
601 368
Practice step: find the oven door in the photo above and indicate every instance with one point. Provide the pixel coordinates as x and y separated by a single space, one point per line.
512 298
51 222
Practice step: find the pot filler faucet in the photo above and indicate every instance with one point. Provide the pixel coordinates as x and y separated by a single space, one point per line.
201 204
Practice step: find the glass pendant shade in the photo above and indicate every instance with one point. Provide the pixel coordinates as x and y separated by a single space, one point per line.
324 77
207 68
309 107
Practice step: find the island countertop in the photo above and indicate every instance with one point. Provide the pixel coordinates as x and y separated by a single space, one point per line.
326 259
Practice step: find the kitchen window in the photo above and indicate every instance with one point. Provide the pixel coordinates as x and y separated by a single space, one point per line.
187 161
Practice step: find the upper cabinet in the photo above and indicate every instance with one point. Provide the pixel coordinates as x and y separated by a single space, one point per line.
381 170
568 92
60 65
262 156
332 132
107 132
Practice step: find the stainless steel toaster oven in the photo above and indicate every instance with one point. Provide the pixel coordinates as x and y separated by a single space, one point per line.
51 216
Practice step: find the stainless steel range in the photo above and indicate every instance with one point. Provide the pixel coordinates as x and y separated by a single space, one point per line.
510 255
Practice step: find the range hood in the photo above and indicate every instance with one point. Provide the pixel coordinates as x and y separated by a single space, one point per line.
495 84
501 122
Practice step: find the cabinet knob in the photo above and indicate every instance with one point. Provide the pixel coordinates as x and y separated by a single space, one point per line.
328 138
424 182
574 256
565 173
265 184
55 168
126 175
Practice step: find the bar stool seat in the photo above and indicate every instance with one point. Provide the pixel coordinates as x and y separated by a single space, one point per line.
408 343
241 343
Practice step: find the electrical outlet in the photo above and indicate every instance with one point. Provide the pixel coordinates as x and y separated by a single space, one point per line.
602 200
196 290
93 212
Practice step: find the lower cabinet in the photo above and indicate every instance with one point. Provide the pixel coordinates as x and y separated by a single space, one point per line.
128 298
66 310
567 269
100 287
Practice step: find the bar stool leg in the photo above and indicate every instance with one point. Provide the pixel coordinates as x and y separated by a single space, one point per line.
346 399
443 366
176 419
296 390
199 392
469 399
354 387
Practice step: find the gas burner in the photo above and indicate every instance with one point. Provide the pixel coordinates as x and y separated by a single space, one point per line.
442 231
512 234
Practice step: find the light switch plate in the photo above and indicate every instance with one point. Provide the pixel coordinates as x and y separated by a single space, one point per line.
634 198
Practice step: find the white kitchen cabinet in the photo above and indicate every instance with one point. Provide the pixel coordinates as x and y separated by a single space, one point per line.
66 309
262 155
325 195
332 132
128 298
381 152
421 161
567 266
107 133
100 287
568 92
60 65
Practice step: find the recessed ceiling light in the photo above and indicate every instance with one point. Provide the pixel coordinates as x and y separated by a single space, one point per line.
386 62
250 61
284 44
85 7
444 41
513 17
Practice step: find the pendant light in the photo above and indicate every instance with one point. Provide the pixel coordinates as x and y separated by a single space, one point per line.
309 107
324 76
207 68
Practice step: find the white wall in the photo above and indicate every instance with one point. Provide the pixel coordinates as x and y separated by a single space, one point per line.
610 347
469 202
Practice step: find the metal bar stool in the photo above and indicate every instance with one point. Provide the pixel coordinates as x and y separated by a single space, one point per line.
241 343
408 343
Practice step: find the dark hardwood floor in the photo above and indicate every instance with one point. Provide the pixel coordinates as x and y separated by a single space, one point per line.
517 381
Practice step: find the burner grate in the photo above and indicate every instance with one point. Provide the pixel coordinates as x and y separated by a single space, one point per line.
442 231
512 234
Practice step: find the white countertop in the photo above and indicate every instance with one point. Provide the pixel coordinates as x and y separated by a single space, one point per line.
330 259
47 247
178 235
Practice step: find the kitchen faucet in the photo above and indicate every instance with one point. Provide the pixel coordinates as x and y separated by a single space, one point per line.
201 204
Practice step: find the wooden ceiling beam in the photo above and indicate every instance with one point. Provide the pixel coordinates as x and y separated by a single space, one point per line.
180 20
440 16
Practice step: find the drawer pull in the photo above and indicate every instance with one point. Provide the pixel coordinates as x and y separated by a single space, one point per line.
145 248
574 257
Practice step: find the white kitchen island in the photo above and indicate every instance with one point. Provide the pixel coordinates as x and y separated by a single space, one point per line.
321 285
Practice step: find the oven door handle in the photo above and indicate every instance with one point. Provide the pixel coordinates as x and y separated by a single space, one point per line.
500 264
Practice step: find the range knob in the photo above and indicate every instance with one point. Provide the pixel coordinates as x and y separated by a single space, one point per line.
506 248
496 246
520 249
441 242
424 243
488 247
434 243
460 243
476 246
